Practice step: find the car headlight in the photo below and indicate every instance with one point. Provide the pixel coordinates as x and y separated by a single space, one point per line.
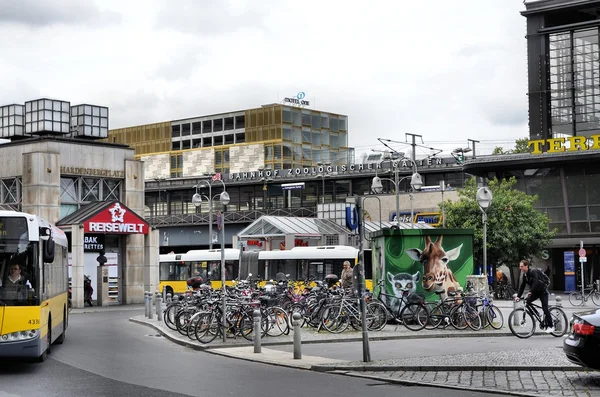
19 336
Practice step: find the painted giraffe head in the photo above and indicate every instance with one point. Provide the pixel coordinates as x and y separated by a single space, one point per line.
436 272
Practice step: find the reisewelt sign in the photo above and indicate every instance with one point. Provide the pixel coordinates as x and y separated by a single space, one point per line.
116 219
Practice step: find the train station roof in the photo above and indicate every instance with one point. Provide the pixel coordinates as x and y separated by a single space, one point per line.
281 226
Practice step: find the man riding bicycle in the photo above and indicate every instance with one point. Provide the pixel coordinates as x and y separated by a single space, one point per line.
537 290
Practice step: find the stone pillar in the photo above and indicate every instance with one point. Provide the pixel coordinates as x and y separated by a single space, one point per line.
41 185
134 260
151 265
77 266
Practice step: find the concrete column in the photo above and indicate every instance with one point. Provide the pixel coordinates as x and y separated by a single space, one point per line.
41 185
77 266
151 265
133 259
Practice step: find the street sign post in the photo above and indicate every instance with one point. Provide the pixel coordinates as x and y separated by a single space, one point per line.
582 260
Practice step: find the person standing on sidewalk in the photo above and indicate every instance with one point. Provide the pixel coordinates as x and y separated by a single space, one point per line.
537 290
346 278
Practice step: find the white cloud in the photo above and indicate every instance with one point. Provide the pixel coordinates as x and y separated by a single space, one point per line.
445 72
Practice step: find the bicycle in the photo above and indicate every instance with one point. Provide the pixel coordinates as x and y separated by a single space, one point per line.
576 298
410 311
523 320
490 314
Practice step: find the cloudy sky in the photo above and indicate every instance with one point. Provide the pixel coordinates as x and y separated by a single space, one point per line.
446 70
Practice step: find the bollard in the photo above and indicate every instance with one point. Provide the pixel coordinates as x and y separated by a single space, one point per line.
146 305
164 294
158 306
257 330
297 337
150 296
558 301
169 298
516 319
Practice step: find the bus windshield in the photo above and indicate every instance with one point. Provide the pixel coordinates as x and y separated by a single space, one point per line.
18 273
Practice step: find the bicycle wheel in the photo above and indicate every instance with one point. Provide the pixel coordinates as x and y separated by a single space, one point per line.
277 322
435 315
521 323
596 298
376 316
493 317
559 319
300 309
414 316
575 298
169 316
457 317
472 317
207 328
333 319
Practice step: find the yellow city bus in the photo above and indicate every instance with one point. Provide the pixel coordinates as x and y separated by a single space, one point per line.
176 269
34 309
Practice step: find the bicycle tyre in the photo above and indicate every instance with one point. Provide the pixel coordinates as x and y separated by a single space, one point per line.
333 319
414 316
207 328
457 317
559 320
435 312
596 298
169 316
472 317
523 318
493 317
575 298
376 316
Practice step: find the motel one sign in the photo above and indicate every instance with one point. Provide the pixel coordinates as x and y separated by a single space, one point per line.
339 169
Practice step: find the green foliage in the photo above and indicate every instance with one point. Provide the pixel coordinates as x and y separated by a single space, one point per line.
521 146
515 230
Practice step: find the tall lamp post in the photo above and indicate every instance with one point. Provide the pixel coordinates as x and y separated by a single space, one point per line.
323 175
416 183
484 199
197 201
224 199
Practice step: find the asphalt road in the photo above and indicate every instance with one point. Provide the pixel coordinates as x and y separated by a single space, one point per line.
106 355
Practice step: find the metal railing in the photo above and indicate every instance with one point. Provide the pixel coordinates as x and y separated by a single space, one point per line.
230 217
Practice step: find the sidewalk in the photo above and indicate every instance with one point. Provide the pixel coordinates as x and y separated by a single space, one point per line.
527 372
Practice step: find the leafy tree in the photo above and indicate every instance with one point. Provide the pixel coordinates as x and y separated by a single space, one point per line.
521 146
499 150
515 230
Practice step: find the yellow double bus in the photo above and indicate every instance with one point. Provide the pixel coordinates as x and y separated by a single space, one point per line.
176 269
34 298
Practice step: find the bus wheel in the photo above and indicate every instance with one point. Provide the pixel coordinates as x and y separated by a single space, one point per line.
45 353
49 349
61 338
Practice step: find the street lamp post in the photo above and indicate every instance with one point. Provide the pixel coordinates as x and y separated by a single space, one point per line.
224 200
323 175
415 182
484 199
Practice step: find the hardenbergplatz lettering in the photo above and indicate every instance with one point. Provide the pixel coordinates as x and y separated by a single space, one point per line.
91 172
102 227
557 145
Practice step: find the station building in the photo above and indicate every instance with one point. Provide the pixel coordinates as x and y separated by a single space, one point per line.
54 167
275 160
562 168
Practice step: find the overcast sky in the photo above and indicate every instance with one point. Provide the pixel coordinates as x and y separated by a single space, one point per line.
446 70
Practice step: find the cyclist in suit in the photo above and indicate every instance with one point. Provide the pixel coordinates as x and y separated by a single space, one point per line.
537 290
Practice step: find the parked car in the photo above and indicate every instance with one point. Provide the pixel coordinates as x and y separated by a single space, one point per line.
582 345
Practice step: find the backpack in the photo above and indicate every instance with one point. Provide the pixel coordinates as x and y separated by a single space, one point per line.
543 277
